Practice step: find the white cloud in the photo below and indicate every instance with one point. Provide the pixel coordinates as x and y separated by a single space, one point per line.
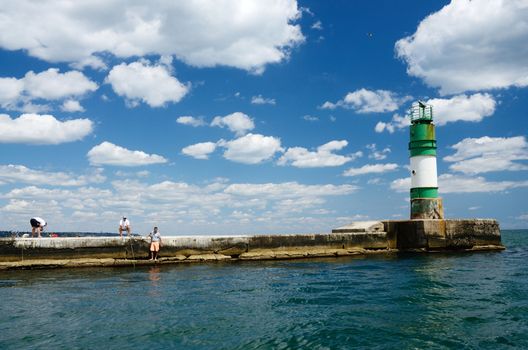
53 85
397 122
401 185
237 122
471 108
18 94
151 84
288 190
470 45
72 106
243 34
141 173
310 118
523 217
317 25
259 100
368 101
42 129
93 62
217 207
449 183
10 91
487 154
323 157
21 174
107 153
458 108
462 108
377 154
371 169
192 121
251 148
200 150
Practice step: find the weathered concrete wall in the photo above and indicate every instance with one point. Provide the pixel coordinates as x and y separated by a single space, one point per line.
444 234
191 247
356 238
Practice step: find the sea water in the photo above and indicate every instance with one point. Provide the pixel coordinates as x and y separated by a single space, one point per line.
456 300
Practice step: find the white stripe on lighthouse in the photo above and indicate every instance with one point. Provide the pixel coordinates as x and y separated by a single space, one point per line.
423 171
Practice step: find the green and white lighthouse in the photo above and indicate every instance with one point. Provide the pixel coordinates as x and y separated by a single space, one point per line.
425 203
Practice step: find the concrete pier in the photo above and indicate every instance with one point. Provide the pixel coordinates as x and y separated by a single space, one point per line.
357 238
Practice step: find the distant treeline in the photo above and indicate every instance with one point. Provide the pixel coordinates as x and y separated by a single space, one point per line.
59 234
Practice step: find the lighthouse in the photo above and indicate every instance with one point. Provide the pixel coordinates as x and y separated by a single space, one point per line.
425 203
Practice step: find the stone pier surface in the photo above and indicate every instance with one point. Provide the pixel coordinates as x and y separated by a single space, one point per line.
353 239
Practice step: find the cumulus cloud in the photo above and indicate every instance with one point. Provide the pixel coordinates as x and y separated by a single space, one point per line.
20 174
470 45
10 91
237 122
52 85
247 35
192 121
371 169
368 101
397 123
472 108
18 94
251 148
377 154
72 106
142 81
487 154
323 157
259 100
107 153
216 207
200 150
42 129
449 183
288 190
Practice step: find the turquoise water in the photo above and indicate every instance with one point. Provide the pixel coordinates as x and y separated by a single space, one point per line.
470 300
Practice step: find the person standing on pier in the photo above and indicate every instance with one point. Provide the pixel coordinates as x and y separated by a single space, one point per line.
37 225
124 225
155 242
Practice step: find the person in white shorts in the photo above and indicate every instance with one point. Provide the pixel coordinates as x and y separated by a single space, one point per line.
155 242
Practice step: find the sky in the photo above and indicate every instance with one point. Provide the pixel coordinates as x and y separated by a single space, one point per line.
240 117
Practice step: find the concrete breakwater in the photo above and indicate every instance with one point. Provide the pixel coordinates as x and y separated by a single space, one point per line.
357 238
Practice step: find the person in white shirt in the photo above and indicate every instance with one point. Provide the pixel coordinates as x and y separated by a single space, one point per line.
124 225
37 225
155 243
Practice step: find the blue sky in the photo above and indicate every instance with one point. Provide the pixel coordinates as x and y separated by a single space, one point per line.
254 117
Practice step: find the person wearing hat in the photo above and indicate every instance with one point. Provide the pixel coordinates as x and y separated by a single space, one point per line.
124 225
37 225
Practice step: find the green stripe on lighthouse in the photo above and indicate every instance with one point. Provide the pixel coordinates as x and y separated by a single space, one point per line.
424 192
423 140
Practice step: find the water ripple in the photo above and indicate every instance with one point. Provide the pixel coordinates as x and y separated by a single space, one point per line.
444 301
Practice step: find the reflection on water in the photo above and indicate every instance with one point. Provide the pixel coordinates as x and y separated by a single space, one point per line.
154 277
407 301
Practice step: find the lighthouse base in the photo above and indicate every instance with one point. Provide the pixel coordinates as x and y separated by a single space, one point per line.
427 208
